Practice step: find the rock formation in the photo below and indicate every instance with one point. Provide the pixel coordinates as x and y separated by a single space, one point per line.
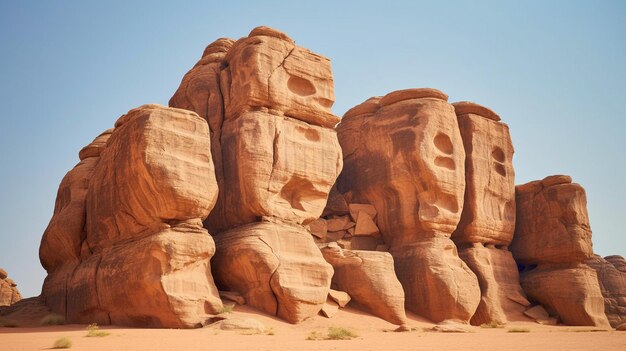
125 244
370 280
421 216
552 241
611 272
8 290
403 154
488 219
268 102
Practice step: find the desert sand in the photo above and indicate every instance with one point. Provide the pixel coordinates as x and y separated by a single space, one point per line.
373 334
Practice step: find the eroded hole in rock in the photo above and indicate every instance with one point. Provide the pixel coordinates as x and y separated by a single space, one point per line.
445 162
310 133
443 143
448 202
498 154
298 191
500 169
300 86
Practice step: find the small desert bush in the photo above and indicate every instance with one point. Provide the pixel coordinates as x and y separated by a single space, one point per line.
94 331
519 330
63 343
227 309
52 319
338 333
269 331
334 333
492 324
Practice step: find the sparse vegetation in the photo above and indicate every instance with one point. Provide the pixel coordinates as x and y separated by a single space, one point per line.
62 343
269 331
52 319
519 330
93 330
492 324
227 308
334 333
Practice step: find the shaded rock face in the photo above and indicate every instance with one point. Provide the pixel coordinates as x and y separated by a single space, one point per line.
8 290
370 280
128 226
488 217
611 272
403 153
502 298
267 102
275 266
552 241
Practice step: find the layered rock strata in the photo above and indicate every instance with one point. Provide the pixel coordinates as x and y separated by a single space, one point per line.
611 271
267 102
126 244
487 222
403 154
551 244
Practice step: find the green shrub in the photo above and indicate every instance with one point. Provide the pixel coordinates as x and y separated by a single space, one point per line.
227 309
519 330
63 343
338 333
492 324
94 331
52 319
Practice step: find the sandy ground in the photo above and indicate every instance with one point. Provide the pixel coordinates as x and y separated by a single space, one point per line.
373 334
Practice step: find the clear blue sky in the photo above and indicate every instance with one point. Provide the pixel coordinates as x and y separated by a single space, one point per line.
554 70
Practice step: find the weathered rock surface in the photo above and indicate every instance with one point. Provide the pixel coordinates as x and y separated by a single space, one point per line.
570 292
8 290
489 207
370 280
552 222
488 216
502 298
268 103
275 266
276 167
552 241
141 257
404 155
440 284
611 272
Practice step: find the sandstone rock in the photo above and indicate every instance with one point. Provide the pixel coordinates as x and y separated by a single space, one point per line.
365 225
318 228
275 266
233 296
141 258
367 243
268 103
336 204
468 107
340 297
502 298
8 290
437 283
155 170
370 280
339 223
285 168
267 69
612 282
330 308
489 209
552 222
367 208
538 313
570 292
403 154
